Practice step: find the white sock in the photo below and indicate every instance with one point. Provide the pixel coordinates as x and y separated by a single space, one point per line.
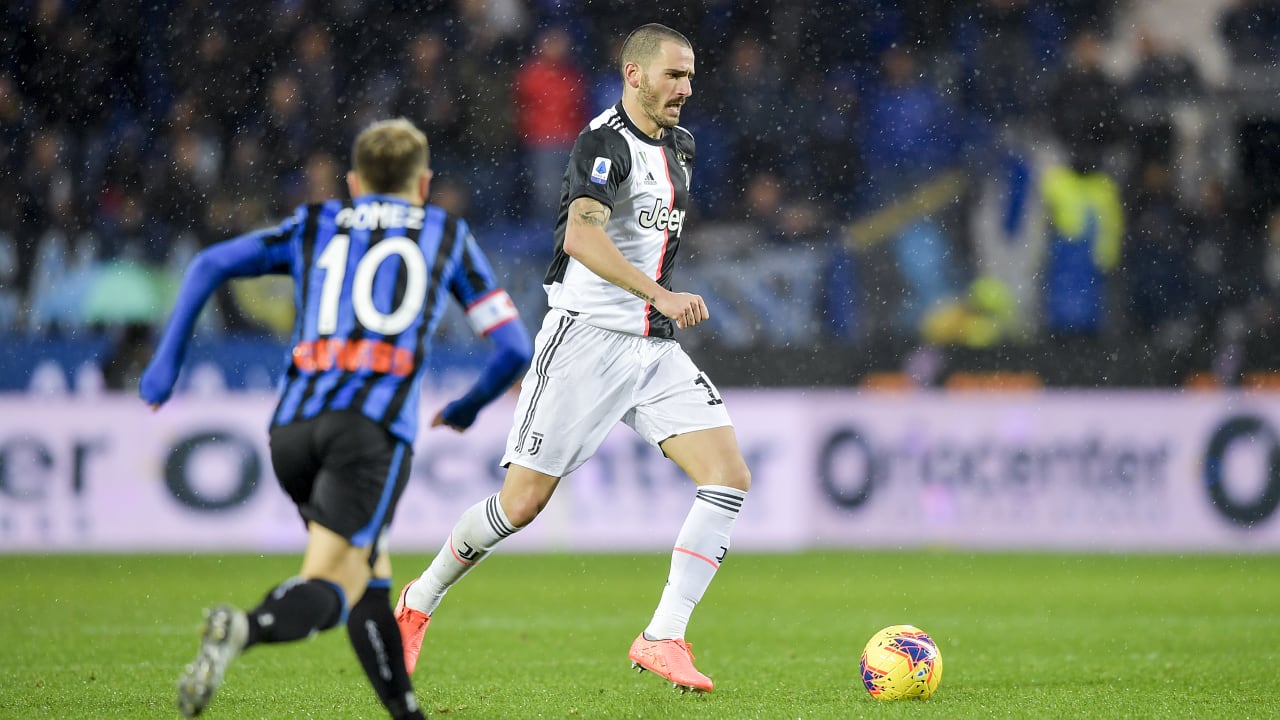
700 547
481 527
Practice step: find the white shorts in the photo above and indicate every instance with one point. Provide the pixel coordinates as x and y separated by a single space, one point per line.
585 379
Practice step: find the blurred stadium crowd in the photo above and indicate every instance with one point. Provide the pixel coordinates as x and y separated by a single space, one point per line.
883 189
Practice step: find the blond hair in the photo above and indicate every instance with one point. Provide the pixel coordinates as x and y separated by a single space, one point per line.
389 156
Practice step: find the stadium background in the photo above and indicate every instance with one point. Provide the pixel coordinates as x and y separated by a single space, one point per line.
985 274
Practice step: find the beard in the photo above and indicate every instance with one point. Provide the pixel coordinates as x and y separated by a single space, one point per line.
653 106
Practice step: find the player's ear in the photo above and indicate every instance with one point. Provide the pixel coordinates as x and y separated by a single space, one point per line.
631 73
424 185
353 184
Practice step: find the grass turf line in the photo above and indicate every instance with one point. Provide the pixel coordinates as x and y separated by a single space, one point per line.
529 636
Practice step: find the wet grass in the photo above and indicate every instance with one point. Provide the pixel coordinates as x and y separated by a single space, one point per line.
545 636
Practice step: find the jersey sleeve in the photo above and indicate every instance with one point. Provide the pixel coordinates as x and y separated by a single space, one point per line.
476 288
598 164
268 251
261 252
492 314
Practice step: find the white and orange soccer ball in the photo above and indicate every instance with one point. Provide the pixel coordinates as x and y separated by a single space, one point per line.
901 662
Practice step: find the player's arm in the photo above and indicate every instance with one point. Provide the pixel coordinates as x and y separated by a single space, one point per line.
244 256
512 351
491 314
586 241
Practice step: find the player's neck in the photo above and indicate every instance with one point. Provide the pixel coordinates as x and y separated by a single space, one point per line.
412 199
643 122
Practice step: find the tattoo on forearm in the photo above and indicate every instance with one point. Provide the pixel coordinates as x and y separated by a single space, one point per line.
594 216
640 294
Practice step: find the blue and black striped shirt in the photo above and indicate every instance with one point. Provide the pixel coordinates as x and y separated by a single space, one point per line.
371 282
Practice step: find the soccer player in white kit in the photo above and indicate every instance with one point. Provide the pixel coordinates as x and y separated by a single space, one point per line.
606 353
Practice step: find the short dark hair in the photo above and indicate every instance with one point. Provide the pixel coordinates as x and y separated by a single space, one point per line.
643 43
389 154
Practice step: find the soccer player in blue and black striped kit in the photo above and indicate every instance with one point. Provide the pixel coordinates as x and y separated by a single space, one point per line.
371 277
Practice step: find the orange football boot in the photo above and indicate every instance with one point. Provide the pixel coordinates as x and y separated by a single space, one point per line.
672 659
413 626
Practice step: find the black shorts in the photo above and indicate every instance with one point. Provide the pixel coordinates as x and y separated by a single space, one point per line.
343 471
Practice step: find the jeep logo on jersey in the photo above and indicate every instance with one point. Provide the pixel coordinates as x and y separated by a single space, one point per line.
661 217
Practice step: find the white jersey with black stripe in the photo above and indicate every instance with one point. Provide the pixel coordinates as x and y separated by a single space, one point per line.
645 183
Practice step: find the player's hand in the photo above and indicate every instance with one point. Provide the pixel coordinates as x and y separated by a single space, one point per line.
156 384
685 308
439 420
458 415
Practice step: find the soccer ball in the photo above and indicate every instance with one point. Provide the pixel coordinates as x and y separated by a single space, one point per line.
901 662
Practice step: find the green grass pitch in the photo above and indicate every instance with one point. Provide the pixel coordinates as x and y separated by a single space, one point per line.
546 636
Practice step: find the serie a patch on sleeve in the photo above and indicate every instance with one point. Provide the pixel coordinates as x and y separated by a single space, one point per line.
490 311
600 170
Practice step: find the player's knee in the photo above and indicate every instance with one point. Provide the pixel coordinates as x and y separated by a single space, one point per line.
738 477
735 475
523 511
522 507
524 493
